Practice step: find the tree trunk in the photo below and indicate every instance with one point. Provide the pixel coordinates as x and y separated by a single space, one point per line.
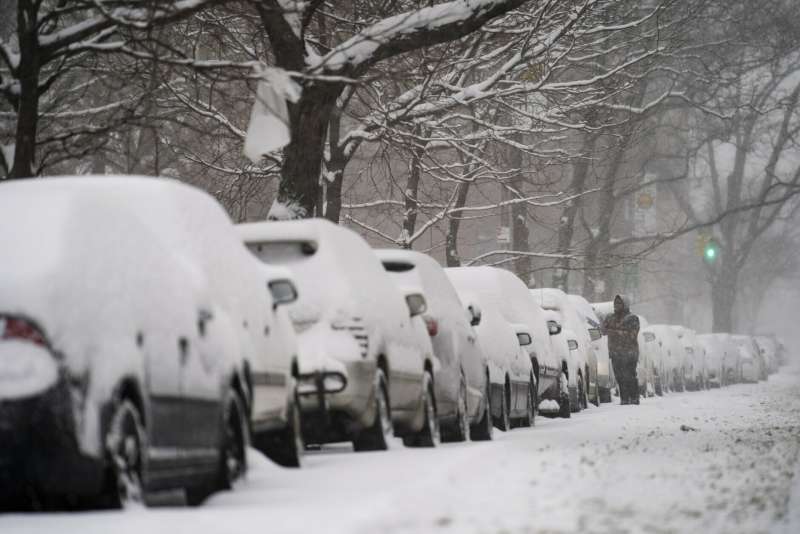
299 190
28 110
519 219
335 166
566 225
411 207
723 297
452 259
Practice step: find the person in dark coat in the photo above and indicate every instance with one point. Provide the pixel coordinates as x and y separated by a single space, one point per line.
622 329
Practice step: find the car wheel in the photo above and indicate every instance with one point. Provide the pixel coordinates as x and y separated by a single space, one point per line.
530 411
429 435
482 431
285 447
564 408
596 399
235 439
378 436
460 429
583 397
503 421
126 446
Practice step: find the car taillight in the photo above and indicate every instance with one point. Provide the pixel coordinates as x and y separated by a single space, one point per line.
14 328
433 326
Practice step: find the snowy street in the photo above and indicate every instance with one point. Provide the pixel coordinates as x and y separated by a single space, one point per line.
713 461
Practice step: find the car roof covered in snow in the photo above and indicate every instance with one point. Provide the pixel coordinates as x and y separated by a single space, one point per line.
120 254
419 268
508 294
585 309
363 289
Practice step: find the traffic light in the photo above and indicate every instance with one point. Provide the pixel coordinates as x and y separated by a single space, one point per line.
711 251
707 248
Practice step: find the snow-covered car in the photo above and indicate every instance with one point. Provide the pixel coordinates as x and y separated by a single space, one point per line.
649 368
599 343
511 382
135 339
731 359
561 348
364 372
750 359
714 354
769 350
584 357
461 381
672 354
511 297
691 365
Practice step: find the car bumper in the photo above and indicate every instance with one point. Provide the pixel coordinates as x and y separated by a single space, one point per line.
39 448
333 416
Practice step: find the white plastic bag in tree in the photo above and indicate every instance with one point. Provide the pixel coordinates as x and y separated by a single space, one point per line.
269 120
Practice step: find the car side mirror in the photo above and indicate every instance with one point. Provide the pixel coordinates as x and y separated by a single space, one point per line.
524 339
595 334
573 345
416 304
474 314
283 291
553 327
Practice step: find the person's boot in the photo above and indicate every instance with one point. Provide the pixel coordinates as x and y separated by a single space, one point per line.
635 400
624 401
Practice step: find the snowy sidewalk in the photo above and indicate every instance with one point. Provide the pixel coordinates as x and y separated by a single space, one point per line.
612 469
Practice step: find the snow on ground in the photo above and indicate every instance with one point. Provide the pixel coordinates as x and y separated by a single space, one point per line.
716 461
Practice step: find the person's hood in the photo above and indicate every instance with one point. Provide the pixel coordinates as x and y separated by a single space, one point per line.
625 308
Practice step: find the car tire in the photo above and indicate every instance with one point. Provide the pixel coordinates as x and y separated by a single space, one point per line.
429 435
583 395
564 408
460 428
379 435
126 446
503 421
530 412
285 447
235 440
483 429
232 465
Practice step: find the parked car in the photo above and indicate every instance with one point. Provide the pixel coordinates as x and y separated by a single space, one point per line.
584 356
275 426
649 361
510 374
769 350
136 335
599 343
559 341
672 354
692 364
461 381
366 367
714 354
750 358
731 360
500 290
